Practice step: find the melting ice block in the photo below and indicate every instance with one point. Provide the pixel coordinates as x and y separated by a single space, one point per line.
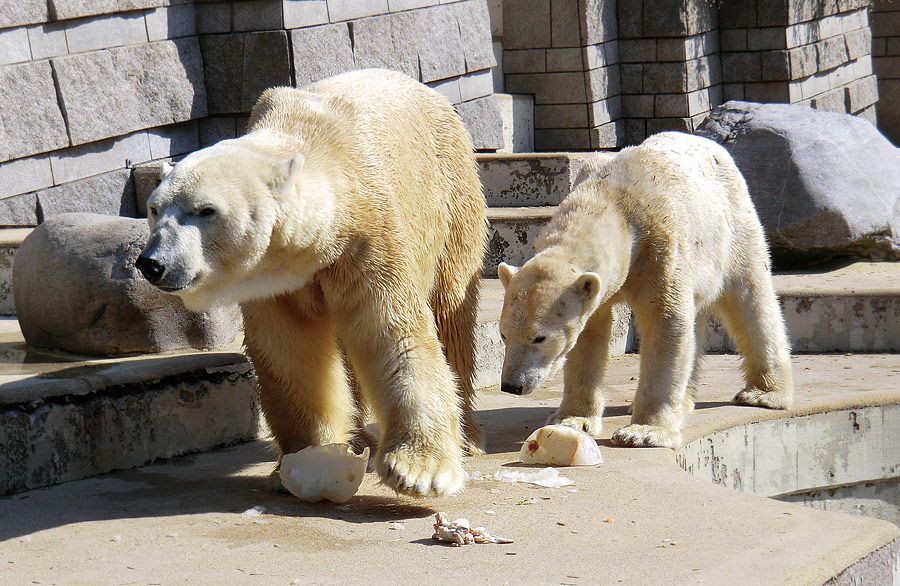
560 445
319 473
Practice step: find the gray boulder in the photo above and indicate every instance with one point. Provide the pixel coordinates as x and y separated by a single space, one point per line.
824 184
76 289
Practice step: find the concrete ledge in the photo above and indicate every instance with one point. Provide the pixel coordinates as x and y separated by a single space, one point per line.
62 418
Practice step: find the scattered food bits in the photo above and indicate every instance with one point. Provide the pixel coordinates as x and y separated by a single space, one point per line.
460 532
560 445
319 473
608 520
396 526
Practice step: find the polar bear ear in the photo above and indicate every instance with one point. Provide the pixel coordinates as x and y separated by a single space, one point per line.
164 170
286 173
587 287
506 272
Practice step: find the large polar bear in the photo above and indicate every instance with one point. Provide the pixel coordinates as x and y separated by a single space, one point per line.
667 226
349 223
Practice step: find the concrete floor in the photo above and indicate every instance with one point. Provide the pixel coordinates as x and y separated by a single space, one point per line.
635 519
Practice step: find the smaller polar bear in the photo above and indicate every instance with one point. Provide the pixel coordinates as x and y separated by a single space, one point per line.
669 228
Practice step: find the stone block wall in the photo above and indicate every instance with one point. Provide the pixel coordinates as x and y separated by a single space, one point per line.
565 53
671 74
91 88
647 66
886 64
799 52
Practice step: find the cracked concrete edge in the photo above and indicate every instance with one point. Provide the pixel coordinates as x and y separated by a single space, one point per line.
859 557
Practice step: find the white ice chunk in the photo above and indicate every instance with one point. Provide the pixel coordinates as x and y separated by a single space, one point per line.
560 445
318 473
254 511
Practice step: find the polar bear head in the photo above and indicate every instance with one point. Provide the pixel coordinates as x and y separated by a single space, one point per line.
219 223
546 306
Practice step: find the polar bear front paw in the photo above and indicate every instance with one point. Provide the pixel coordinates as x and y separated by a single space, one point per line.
755 397
592 425
419 475
647 436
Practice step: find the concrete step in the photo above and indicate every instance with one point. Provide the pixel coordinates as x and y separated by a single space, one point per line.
65 416
512 233
655 523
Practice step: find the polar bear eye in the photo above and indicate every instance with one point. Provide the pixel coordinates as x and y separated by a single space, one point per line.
539 339
153 211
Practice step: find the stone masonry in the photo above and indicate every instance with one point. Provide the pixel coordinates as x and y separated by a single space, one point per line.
610 73
886 64
566 54
817 54
91 88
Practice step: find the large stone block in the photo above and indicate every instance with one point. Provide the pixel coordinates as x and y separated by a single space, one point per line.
320 52
270 48
90 34
599 22
661 78
223 64
30 118
257 15
19 210
173 140
526 24
482 119
440 44
475 31
76 289
109 193
22 12
99 157
824 184
153 84
14 46
549 88
861 94
564 24
831 53
66 9
390 41
24 175
47 40
301 13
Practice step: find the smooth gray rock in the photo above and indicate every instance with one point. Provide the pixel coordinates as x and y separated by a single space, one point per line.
76 289
30 119
154 84
824 184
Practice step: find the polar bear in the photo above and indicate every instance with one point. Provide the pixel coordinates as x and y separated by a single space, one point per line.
669 228
349 223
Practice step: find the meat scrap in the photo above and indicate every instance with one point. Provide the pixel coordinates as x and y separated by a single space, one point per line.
460 532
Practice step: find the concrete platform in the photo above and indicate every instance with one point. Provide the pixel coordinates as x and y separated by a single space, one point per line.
635 519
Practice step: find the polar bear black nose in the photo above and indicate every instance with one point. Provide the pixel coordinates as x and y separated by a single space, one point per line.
150 268
511 389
